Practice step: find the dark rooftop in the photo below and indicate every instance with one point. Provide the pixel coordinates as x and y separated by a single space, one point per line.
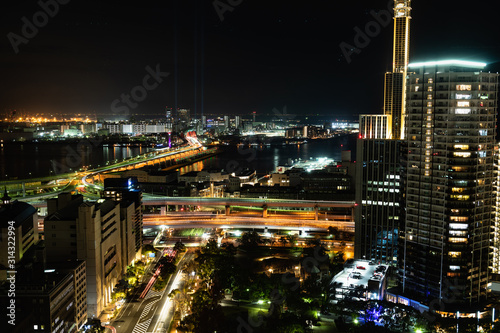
17 211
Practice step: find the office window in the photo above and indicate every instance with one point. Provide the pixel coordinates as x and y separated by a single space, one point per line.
464 87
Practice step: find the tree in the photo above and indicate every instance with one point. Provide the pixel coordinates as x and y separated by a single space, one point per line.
181 299
292 239
334 231
179 247
249 240
148 248
167 268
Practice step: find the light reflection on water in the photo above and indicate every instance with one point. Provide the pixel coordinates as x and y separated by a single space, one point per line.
18 160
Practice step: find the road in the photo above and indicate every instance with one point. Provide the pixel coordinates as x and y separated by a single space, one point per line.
165 311
220 221
141 316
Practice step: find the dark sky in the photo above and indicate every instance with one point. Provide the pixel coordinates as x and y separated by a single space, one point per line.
263 55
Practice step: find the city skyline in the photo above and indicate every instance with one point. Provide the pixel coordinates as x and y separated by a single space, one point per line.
85 57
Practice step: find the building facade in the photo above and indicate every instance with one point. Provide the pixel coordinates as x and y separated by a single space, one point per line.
380 157
22 219
379 194
395 81
92 232
448 232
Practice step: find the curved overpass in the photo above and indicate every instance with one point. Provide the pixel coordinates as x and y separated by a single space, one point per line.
91 174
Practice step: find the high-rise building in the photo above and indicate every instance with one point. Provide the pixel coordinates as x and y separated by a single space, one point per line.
380 157
184 115
204 122
22 219
448 232
127 192
374 126
50 300
395 81
237 122
90 231
379 191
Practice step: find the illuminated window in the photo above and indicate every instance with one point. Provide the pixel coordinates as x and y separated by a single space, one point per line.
459 226
462 111
463 96
430 80
457 189
454 254
458 233
416 88
429 96
429 88
457 240
463 104
461 154
463 147
460 197
429 104
464 87
459 218
454 268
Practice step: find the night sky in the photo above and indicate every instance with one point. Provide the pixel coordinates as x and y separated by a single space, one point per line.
262 55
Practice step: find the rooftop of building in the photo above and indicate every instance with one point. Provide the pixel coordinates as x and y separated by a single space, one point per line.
67 213
16 211
359 272
189 174
106 206
63 265
129 183
456 63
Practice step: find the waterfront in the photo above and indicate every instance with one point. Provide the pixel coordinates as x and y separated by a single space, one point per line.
37 160
265 159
